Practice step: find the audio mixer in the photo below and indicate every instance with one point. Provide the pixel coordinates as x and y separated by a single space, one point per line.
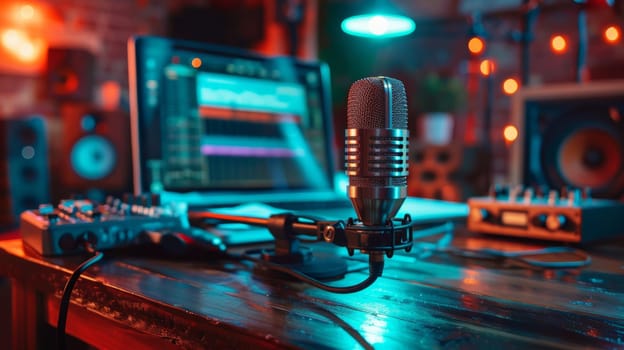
566 215
64 229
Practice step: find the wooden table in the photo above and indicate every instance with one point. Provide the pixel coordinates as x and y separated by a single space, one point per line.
424 300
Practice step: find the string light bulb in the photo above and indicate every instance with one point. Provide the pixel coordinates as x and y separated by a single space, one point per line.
510 133
487 67
476 45
612 34
510 86
558 44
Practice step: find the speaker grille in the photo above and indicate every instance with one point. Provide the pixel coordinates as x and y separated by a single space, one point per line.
24 177
578 145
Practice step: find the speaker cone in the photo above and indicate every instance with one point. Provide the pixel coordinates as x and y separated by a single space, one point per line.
93 157
585 152
590 158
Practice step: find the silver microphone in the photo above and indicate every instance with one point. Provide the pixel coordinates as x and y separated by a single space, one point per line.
376 148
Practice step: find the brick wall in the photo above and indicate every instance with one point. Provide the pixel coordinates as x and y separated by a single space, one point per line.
440 46
102 27
603 60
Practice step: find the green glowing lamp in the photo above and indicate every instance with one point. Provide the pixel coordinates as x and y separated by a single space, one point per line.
378 25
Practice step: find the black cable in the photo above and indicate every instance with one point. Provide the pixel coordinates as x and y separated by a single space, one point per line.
376 265
64 307
542 258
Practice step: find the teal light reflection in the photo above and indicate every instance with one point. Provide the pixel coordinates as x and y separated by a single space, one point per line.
378 25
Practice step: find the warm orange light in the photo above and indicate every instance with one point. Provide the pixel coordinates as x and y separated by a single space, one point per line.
612 34
26 12
510 133
487 67
110 95
26 51
20 45
476 45
12 38
196 62
558 44
510 86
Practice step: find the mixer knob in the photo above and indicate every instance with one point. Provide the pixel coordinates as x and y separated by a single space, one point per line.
555 222
46 209
514 192
552 197
67 206
574 197
84 206
479 214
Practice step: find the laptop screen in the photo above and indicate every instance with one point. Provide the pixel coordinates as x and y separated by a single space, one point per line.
208 118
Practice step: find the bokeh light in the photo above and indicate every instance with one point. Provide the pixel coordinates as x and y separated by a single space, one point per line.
612 34
510 86
487 67
476 45
510 133
558 44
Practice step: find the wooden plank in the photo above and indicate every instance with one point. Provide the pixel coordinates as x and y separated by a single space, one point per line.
26 316
436 301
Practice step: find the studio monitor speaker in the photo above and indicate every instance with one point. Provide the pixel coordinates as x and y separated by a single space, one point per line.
570 136
24 176
92 152
70 73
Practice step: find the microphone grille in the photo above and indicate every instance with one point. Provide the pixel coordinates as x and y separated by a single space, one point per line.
367 101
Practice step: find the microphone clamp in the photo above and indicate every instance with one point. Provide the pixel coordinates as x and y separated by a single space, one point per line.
397 234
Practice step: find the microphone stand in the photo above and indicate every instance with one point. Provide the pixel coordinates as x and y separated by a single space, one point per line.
286 228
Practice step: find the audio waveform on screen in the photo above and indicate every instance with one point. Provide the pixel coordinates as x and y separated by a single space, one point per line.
239 151
215 145
209 112
247 94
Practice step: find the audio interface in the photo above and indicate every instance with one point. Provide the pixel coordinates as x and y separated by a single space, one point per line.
63 229
564 216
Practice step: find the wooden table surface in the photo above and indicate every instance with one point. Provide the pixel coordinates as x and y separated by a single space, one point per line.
424 300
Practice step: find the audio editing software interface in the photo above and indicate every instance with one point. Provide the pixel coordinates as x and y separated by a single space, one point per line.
221 121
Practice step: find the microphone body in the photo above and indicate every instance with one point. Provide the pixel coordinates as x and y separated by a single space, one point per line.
376 148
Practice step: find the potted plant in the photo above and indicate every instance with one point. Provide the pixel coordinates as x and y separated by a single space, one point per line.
438 99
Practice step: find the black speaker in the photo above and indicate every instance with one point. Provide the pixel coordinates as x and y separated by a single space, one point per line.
453 172
92 147
571 136
70 73
24 176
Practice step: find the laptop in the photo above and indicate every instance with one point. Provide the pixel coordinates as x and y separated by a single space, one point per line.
226 129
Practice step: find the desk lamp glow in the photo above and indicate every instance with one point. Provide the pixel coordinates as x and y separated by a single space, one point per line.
380 24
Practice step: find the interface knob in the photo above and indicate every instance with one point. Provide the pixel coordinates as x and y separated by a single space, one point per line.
479 214
554 222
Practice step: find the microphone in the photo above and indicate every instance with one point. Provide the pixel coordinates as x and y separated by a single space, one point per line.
376 148
376 155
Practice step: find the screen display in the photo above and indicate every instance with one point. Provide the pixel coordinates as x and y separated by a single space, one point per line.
210 118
